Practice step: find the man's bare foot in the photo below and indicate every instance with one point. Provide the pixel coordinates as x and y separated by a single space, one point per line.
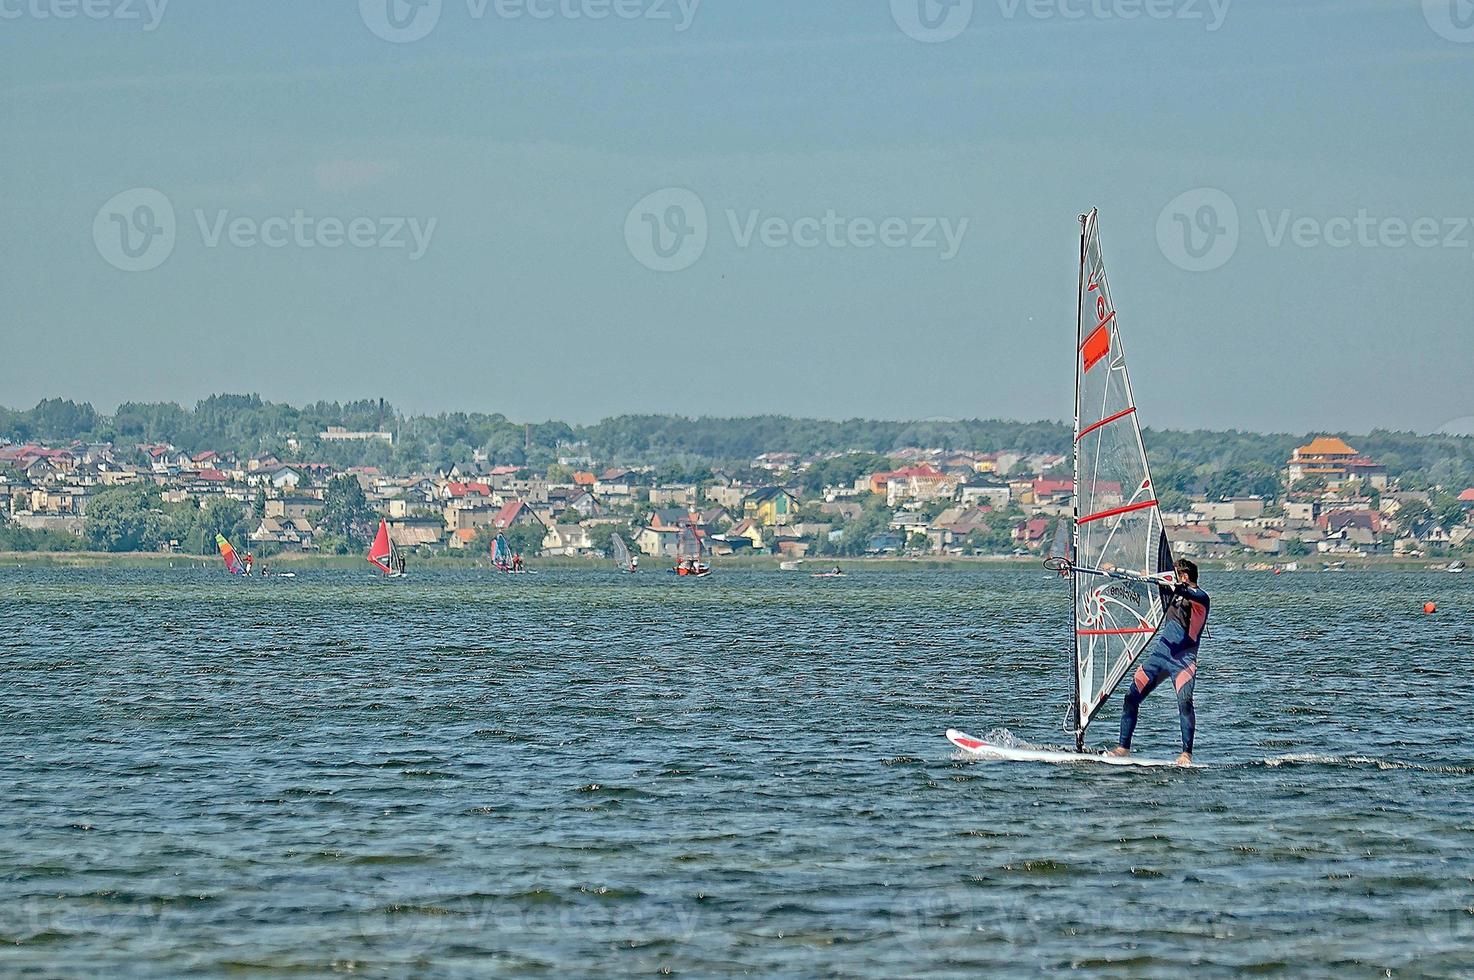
1185 759
1119 752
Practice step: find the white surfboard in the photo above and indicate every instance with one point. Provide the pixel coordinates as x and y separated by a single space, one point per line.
1001 753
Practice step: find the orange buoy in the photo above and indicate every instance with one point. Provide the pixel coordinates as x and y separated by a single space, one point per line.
1429 608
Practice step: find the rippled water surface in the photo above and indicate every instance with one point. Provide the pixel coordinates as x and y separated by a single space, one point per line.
580 773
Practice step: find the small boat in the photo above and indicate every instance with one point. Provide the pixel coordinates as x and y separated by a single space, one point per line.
688 558
383 555
623 560
1456 567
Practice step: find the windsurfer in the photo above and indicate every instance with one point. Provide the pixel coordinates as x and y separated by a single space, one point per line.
1174 654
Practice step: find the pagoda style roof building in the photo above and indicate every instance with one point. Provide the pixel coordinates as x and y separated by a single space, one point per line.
1333 461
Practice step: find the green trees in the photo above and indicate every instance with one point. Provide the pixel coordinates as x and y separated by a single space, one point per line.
842 471
346 514
223 516
132 518
526 539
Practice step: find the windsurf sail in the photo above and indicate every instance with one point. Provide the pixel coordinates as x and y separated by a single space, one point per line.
1117 521
689 544
381 553
621 553
1062 548
501 552
232 563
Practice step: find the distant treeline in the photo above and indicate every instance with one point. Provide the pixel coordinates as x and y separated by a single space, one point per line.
1213 462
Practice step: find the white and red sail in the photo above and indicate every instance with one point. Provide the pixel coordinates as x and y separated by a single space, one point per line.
1117 521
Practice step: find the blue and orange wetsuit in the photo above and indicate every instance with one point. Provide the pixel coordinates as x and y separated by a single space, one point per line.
1174 654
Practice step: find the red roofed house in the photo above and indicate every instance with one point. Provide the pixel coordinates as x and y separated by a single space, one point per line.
1467 498
460 491
1332 460
1054 491
1358 527
1031 532
584 479
515 513
914 483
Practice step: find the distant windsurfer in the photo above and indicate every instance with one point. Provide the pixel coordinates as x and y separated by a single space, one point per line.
1173 654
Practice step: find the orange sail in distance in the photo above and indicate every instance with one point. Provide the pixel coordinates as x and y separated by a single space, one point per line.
232 563
381 553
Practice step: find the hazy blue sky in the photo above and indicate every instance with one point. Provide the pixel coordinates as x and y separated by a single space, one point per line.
1340 134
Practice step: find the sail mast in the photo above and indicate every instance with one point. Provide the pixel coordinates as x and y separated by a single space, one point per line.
1075 714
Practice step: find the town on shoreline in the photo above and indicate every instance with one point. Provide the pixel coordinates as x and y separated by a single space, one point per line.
322 492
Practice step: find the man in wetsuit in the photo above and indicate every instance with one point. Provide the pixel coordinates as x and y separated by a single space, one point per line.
1173 654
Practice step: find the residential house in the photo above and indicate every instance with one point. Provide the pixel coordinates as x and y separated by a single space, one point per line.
660 542
771 506
683 495
567 540
516 514
1195 540
1333 461
417 531
1031 533
996 496
286 534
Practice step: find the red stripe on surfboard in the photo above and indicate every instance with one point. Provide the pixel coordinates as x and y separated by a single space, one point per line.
1102 515
1120 632
1105 421
970 743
